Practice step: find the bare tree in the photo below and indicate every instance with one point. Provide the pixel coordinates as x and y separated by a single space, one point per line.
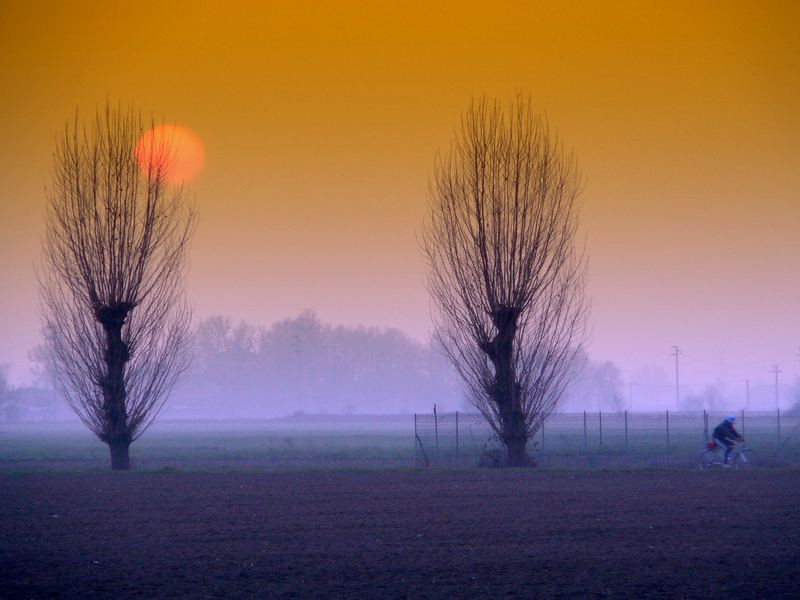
116 322
504 273
5 390
4 385
595 385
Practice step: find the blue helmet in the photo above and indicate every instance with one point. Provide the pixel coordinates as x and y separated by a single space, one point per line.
730 419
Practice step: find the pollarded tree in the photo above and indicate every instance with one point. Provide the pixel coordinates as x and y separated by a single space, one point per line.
504 273
116 323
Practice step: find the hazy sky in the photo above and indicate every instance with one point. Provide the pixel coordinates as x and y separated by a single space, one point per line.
320 125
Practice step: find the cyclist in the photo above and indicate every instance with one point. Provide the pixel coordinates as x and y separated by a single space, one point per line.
725 434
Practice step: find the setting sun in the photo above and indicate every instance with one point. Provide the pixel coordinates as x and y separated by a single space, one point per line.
175 149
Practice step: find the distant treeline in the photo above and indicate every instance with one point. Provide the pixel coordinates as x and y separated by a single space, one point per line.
304 365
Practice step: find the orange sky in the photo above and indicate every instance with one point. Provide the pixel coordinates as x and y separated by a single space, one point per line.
320 124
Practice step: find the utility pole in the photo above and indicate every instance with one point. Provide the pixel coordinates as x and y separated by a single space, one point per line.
747 394
675 352
775 370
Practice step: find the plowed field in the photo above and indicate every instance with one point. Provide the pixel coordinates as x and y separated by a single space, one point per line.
401 534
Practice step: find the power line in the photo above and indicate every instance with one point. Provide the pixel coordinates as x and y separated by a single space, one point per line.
716 363
747 394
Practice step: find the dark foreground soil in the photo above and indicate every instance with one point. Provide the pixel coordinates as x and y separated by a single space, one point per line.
401 534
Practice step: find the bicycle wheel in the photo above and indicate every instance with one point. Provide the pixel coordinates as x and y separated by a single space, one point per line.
710 458
746 459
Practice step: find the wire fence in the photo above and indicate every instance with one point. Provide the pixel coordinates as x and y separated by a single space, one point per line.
605 439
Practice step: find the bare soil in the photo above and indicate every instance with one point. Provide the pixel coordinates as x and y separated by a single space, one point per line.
401 534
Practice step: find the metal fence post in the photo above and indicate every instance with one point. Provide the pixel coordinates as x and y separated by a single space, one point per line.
705 425
600 416
667 429
416 437
542 448
457 453
436 432
779 429
742 422
626 429
585 437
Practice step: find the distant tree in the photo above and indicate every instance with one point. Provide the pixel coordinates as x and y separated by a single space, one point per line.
304 364
795 396
504 270
711 398
5 391
365 369
116 323
217 342
5 387
226 379
596 385
43 370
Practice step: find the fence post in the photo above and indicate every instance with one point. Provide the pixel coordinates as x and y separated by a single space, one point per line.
542 448
600 416
585 438
436 432
626 430
705 426
667 429
779 429
742 422
457 453
415 439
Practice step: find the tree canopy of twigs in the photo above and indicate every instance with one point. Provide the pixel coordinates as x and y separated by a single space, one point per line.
505 274
115 319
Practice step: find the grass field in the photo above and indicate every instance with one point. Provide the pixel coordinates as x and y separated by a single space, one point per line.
214 445
387 441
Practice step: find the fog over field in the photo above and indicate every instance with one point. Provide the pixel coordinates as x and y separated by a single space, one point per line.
304 365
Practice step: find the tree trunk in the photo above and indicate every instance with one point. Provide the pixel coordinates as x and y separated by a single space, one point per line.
517 454
514 435
120 457
505 390
115 414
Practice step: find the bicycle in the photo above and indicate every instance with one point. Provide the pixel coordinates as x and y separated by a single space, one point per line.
741 457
